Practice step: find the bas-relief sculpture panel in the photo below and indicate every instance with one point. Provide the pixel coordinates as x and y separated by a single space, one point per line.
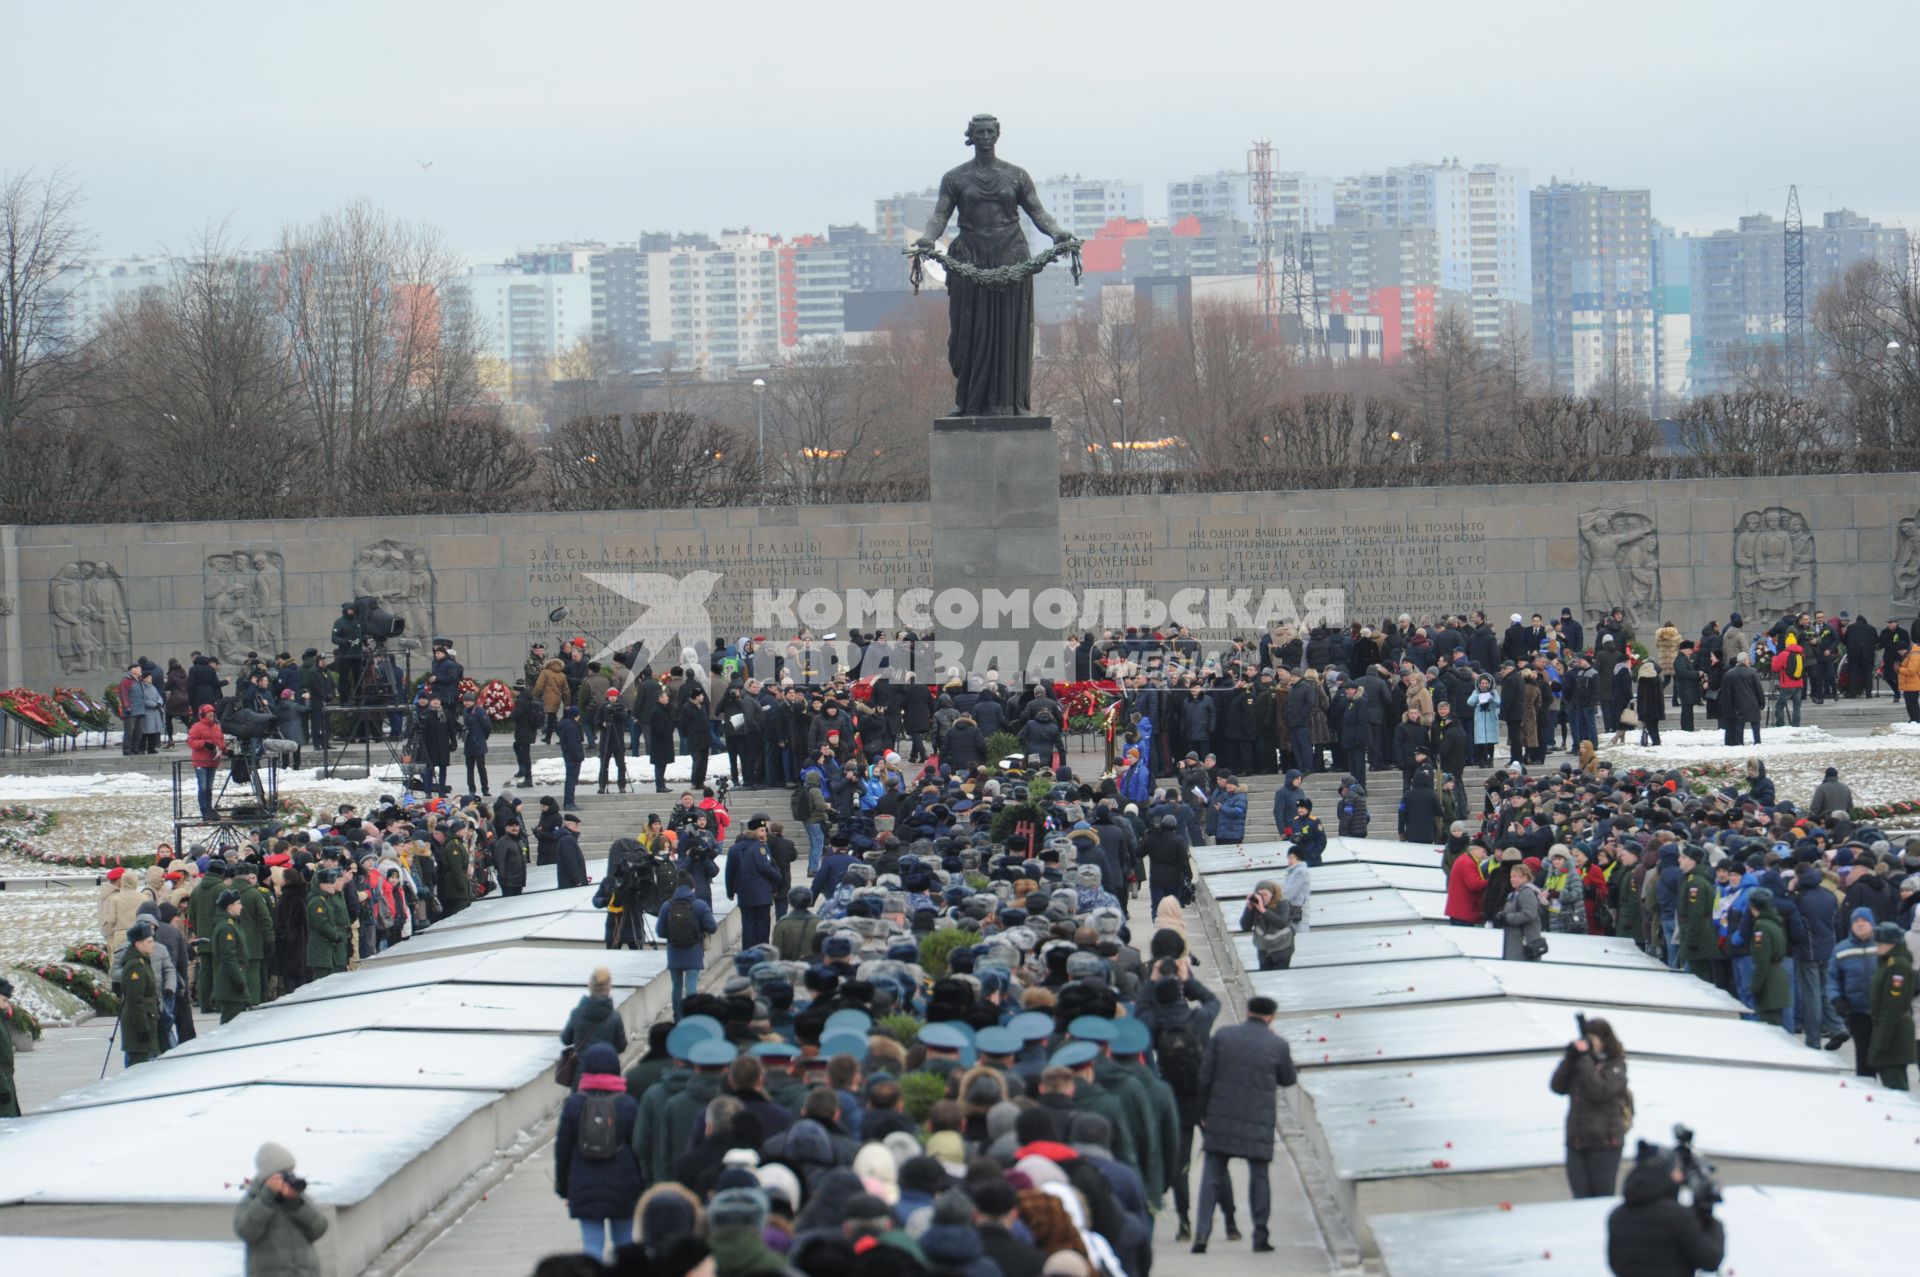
400 575
1906 562
1773 564
246 607
92 629
1620 567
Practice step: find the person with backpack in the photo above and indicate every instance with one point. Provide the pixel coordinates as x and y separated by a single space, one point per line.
1179 1012
685 922
594 1168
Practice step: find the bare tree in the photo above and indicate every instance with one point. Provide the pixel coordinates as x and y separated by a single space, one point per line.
650 460
445 465
1083 366
1209 382
829 421
40 235
364 303
1756 423
198 382
1869 327
1447 385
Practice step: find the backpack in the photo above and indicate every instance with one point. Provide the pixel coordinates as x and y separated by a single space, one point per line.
683 923
1178 1052
599 1127
798 804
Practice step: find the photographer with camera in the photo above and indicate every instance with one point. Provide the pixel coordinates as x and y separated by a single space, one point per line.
1593 1076
1652 1234
275 1219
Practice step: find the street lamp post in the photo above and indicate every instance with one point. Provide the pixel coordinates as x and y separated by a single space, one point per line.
760 417
1120 410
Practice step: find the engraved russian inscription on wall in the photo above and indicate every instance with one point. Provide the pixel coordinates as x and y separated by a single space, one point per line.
1418 563
747 559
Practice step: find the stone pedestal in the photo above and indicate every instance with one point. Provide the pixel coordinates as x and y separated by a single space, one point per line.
994 484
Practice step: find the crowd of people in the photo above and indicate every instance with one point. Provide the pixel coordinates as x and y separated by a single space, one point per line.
949 1054
221 929
1806 917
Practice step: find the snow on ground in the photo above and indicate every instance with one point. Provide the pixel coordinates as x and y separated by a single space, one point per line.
1881 768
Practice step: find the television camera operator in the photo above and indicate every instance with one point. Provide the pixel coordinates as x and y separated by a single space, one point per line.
1652 1234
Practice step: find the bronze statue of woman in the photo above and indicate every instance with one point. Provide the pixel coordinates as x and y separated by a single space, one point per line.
990 319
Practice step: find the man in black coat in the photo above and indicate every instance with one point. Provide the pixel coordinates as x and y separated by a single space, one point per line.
510 858
1240 1076
1862 642
1420 811
1651 1234
527 719
571 865
1517 643
1741 700
204 682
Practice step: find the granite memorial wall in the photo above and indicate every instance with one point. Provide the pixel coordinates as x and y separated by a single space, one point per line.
78 602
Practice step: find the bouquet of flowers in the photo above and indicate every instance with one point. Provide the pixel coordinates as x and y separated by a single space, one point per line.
37 713
497 699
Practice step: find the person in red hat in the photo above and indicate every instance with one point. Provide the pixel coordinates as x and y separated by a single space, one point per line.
120 901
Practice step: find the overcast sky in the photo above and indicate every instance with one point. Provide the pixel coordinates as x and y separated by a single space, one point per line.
560 120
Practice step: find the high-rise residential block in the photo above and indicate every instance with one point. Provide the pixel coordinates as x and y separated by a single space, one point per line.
1593 285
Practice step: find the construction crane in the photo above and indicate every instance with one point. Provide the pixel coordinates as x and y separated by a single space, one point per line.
1796 294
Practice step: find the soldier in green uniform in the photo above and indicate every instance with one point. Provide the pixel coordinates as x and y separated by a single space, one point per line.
1089 1096
456 873
1131 1042
1699 941
681 1115
139 998
1772 988
203 917
1892 1047
231 958
1135 1128
256 919
9 1097
328 926
1626 910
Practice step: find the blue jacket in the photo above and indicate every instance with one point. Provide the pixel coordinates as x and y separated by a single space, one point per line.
597 1190
446 680
694 957
1788 907
751 877
478 727
1231 824
827 877
1286 803
573 746
1671 880
1821 910
1850 976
